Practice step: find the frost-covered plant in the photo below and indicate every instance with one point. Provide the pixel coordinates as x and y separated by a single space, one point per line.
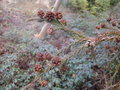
53 70
40 66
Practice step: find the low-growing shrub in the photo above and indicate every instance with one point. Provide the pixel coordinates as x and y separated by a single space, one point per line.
80 4
94 6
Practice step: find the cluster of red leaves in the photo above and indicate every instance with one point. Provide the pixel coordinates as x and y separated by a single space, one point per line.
103 25
110 21
55 61
64 69
63 21
50 31
50 16
44 83
112 49
38 68
43 56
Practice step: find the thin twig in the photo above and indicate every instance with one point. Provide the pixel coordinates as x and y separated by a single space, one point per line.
112 86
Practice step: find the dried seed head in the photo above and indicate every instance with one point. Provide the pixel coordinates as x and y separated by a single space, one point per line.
47 56
50 31
56 61
63 21
109 19
103 25
43 83
107 47
113 24
38 68
58 15
41 13
98 27
49 16
39 56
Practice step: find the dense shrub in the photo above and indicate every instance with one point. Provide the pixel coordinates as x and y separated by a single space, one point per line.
80 4
114 2
102 5
94 6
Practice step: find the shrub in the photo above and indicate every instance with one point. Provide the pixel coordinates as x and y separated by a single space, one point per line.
114 2
80 4
94 6
102 5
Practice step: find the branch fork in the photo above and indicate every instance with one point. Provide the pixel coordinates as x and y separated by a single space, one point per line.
42 33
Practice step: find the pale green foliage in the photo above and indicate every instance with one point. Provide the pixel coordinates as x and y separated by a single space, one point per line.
94 6
102 5
80 4
93 9
114 2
